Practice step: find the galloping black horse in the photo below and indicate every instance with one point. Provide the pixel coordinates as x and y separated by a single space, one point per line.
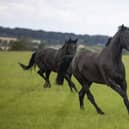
105 68
48 59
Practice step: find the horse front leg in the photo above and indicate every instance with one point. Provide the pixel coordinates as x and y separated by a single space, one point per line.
92 100
121 92
120 79
120 89
123 85
48 84
70 83
81 98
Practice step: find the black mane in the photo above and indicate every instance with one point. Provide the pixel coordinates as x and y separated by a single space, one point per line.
108 41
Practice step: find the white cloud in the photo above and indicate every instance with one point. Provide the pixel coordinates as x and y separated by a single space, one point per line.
83 16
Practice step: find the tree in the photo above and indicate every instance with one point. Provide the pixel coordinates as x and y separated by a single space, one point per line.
17 45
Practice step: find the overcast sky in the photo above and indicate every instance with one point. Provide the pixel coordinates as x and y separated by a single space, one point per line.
77 16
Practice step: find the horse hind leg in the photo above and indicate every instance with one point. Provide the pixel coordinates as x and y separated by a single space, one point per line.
81 97
92 100
40 72
83 90
86 90
48 84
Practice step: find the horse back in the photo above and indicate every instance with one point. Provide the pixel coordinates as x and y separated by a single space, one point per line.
46 58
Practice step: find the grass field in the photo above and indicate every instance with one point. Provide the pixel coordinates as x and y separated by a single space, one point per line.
25 104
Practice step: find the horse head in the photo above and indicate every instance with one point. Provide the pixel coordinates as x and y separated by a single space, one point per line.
70 46
124 37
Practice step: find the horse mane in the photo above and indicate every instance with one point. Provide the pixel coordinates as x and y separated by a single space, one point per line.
108 41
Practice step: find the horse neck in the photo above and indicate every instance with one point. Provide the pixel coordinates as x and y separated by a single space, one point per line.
60 53
116 49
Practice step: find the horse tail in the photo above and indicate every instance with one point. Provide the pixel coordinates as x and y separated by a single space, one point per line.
65 63
31 62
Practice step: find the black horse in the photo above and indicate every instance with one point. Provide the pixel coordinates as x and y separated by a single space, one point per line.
48 59
105 67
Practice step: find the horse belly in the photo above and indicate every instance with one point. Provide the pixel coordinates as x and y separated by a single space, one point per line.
92 74
45 61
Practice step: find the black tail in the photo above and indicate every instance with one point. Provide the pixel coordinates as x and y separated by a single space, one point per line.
31 62
66 61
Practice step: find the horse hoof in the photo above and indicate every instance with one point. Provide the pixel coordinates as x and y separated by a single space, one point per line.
71 90
82 107
101 112
44 86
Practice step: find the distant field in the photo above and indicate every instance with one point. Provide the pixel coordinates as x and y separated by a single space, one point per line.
25 104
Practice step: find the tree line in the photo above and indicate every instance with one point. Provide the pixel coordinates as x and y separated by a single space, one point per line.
52 37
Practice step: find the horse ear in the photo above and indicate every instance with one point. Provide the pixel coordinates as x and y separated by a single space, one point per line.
122 26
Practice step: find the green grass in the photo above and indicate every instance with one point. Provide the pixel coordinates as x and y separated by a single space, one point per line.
25 104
